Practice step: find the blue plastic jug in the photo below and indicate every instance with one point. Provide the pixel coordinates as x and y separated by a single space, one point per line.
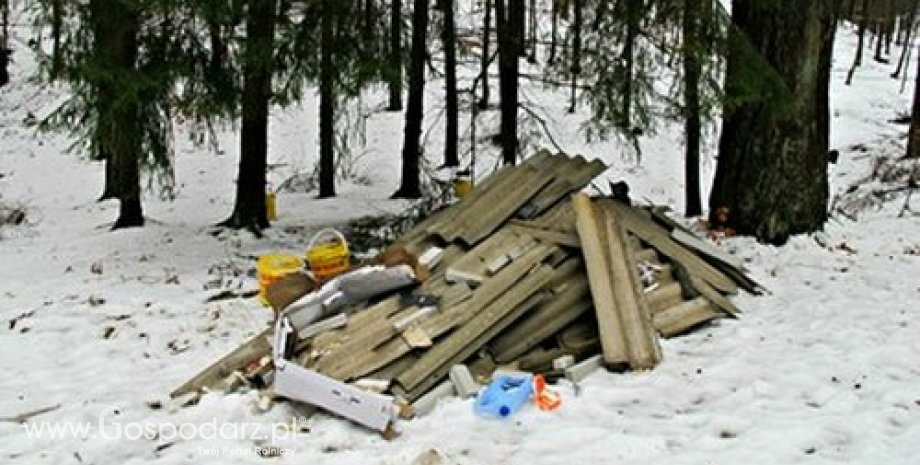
504 395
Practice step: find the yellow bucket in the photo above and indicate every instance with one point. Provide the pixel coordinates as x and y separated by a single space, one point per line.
462 187
271 208
271 268
327 258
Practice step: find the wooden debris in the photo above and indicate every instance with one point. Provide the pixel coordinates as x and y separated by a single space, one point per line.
517 277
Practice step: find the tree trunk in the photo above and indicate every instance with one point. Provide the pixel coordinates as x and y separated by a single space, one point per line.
448 39
554 33
249 211
772 166
913 139
692 122
115 29
485 59
57 24
532 36
410 186
882 32
5 50
633 16
857 60
394 83
577 25
327 102
508 14
908 30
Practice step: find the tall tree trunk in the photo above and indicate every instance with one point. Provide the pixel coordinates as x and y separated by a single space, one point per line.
57 24
115 28
554 32
249 210
394 65
913 139
882 32
508 14
485 59
532 32
5 51
577 25
449 41
857 60
908 28
327 101
772 166
692 121
633 16
410 185
126 148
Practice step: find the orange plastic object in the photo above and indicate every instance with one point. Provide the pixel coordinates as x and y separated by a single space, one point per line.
546 400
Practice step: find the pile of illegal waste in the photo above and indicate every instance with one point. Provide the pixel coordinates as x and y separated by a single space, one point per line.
524 280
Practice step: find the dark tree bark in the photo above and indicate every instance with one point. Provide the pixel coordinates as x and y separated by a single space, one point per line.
772 166
554 33
577 25
249 209
633 16
57 24
908 30
115 28
327 102
394 65
857 60
532 32
913 138
692 120
449 41
882 32
5 50
410 185
485 59
509 13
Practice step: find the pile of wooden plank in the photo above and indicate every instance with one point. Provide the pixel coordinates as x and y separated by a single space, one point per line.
526 273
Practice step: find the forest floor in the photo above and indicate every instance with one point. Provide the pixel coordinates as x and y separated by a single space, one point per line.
101 325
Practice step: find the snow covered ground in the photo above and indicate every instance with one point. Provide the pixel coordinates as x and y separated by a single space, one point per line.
824 369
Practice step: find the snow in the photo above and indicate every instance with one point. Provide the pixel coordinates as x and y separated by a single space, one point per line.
823 369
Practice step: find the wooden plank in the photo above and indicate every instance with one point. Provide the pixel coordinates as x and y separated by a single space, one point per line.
427 383
681 317
707 249
613 342
361 363
255 348
665 297
460 344
545 321
715 297
641 339
567 239
659 238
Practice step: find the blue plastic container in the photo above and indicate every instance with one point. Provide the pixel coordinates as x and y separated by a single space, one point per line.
505 395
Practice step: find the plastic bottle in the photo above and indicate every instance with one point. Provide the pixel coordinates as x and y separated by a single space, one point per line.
504 395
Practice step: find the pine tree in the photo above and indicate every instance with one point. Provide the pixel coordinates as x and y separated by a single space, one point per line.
395 53
448 41
509 17
410 183
249 206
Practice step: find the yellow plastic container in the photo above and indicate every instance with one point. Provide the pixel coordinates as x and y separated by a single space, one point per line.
327 254
462 187
271 268
271 208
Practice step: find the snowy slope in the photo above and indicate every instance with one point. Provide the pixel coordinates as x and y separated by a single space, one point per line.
825 369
